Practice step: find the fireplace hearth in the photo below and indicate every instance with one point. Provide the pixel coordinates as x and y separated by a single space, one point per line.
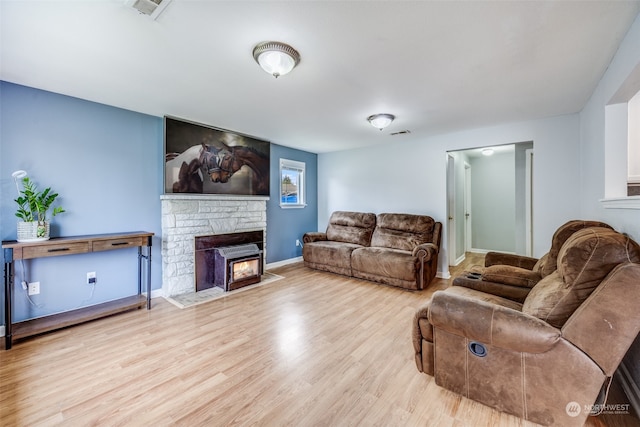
237 266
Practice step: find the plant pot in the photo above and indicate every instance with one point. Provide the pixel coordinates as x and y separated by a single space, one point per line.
34 231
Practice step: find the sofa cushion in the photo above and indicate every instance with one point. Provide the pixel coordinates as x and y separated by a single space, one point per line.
351 227
585 259
402 231
326 252
385 262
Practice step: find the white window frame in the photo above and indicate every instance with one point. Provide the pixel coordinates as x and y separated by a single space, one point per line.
300 168
620 145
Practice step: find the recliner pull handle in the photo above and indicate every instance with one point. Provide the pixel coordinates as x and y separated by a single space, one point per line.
477 349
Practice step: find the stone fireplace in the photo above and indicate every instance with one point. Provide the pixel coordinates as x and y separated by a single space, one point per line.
185 216
216 256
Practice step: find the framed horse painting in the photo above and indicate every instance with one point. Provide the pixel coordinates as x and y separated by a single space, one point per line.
206 160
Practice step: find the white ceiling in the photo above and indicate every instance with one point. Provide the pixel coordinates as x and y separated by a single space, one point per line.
439 66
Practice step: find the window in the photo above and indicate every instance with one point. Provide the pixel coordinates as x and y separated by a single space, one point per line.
292 184
633 179
622 145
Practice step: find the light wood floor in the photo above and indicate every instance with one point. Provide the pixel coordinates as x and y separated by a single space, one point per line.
312 349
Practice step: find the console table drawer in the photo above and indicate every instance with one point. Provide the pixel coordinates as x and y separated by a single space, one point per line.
121 243
57 249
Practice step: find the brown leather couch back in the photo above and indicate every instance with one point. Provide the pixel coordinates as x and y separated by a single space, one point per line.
403 231
548 265
583 262
351 227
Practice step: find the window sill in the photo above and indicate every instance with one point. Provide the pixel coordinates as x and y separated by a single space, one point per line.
631 202
293 206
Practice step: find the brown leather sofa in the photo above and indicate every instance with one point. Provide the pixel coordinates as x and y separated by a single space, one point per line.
394 249
512 276
545 360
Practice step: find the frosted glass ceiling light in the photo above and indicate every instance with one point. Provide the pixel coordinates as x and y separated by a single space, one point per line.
276 58
381 121
487 151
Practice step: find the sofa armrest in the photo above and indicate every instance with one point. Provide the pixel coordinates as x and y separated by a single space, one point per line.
497 258
490 323
425 251
313 236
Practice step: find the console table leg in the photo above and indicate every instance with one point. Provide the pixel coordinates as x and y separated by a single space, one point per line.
149 277
8 295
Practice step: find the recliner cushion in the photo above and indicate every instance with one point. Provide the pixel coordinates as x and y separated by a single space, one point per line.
351 227
336 254
402 231
391 263
559 238
583 262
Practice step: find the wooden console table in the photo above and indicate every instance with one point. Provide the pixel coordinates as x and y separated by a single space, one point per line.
69 246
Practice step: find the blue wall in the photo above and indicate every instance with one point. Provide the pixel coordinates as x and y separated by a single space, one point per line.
284 226
106 163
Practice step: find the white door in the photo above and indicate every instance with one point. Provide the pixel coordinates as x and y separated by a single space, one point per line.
451 208
529 202
467 207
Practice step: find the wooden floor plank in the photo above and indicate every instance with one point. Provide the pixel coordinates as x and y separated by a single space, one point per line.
311 349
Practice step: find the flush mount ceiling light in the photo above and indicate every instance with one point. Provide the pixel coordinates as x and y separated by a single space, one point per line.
487 151
150 8
380 121
276 58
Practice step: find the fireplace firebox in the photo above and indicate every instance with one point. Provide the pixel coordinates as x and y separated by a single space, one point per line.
208 275
237 266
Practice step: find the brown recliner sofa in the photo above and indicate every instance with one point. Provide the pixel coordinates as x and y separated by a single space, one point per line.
394 249
512 276
545 360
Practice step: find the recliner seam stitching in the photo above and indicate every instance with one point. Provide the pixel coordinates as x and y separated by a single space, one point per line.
493 312
524 386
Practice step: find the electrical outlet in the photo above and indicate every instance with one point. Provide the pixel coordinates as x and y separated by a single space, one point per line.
298 242
34 288
91 278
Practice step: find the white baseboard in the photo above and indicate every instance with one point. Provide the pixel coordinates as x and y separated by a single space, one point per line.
479 251
443 274
631 389
459 260
283 262
157 293
485 251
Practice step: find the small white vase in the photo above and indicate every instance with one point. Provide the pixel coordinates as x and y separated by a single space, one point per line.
34 231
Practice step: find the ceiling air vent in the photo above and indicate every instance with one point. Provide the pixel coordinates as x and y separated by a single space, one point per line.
150 8
402 132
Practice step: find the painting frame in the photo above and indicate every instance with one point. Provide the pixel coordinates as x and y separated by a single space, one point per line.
203 159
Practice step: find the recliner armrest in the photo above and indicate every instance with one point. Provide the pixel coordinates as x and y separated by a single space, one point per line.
314 236
497 258
490 323
425 251
510 275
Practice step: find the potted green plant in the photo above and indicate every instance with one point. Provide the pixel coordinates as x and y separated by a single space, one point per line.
33 206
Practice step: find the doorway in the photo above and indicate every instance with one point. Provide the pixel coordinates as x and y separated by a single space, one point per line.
490 200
